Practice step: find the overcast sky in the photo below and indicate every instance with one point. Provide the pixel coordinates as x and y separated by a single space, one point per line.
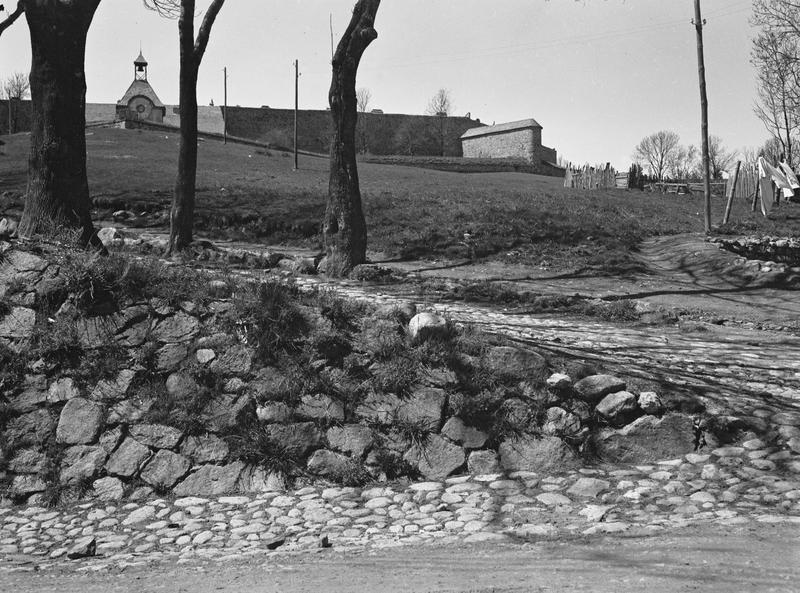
598 75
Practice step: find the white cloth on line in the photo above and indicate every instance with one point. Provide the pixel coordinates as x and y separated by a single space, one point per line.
767 175
790 175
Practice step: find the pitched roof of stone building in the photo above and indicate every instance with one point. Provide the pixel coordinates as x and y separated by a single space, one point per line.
140 88
513 126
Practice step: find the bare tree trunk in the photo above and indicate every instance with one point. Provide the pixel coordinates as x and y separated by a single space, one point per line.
344 228
58 189
191 55
182 213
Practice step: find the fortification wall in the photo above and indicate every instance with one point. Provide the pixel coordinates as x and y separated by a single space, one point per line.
377 133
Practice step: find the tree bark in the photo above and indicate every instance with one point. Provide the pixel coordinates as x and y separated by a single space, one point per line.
58 189
191 55
182 213
344 227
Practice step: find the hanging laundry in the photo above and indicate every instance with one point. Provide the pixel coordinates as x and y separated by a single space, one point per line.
790 175
767 175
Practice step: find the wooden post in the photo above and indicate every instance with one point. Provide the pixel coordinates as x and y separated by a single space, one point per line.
701 70
296 107
731 192
225 109
755 196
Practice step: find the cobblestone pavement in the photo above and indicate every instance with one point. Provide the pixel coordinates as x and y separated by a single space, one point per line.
728 486
734 369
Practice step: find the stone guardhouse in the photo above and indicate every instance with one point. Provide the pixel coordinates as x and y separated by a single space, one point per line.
140 102
517 139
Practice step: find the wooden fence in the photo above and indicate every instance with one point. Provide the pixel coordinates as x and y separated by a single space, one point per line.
747 182
588 177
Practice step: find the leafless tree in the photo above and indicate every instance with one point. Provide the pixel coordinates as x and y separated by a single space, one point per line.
57 196
776 61
441 106
658 152
191 55
363 98
15 88
441 103
684 163
720 158
344 227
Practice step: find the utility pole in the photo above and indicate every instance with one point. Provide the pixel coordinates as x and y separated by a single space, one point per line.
225 108
331 37
698 23
296 107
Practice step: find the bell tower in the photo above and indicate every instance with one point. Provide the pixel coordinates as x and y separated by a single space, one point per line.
140 68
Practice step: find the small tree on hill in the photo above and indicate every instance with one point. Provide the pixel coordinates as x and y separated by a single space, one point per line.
57 196
192 50
344 227
441 106
15 88
363 98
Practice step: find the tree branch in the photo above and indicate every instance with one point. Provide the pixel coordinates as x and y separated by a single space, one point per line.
205 29
13 16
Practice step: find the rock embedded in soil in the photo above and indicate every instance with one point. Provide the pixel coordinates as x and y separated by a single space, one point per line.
650 403
559 421
423 408
647 439
426 325
483 462
618 408
547 454
517 362
467 436
355 439
211 480
327 463
436 458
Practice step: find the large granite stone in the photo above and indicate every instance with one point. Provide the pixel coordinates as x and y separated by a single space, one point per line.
80 422
436 458
81 462
128 459
328 464
176 328
646 439
618 408
165 469
466 436
541 455
517 362
205 448
211 480
424 408
299 438
320 407
158 436
595 387
351 438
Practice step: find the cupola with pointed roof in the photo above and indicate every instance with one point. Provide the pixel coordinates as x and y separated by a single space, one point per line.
140 102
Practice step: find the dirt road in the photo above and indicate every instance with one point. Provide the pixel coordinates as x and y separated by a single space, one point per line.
754 560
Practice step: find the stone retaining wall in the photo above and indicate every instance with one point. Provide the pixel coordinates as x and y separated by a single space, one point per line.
116 437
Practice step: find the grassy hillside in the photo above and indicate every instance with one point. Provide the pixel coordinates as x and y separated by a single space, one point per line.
248 192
